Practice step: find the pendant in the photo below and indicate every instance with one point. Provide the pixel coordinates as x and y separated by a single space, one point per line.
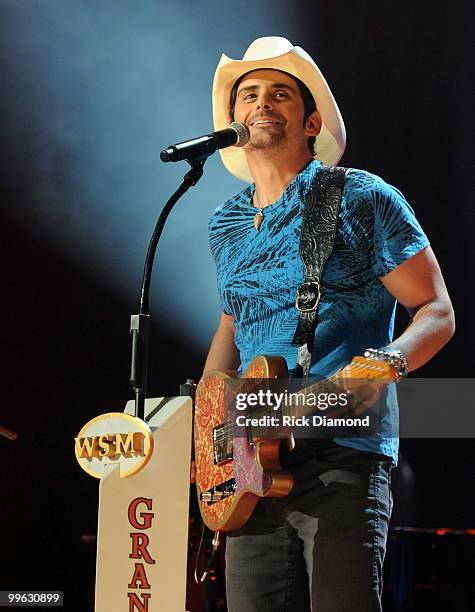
258 219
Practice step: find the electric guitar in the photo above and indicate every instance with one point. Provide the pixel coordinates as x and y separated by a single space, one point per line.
234 472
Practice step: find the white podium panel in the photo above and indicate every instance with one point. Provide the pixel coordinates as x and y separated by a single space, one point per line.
143 521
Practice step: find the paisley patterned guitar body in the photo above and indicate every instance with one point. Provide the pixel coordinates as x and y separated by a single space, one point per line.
229 489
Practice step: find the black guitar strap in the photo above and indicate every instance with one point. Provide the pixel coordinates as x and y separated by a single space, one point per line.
317 239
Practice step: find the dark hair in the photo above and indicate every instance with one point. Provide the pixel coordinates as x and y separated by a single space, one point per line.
309 105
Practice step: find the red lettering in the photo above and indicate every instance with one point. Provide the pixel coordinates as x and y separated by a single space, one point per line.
146 517
136 604
140 542
139 576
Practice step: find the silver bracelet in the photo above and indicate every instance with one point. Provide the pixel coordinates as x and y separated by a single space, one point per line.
395 358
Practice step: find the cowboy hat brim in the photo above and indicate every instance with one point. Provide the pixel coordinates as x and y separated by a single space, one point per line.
329 144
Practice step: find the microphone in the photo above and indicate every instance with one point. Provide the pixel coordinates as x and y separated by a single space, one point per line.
236 134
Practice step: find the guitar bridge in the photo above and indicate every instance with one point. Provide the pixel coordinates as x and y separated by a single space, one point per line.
222 444
226 489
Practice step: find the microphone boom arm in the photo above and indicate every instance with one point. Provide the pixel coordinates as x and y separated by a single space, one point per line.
140 323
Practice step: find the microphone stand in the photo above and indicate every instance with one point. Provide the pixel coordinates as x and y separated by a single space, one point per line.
140 323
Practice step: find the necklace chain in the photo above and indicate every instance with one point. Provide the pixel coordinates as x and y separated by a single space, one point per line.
259 216
258 200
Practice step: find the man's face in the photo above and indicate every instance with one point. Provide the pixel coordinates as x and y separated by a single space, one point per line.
270 104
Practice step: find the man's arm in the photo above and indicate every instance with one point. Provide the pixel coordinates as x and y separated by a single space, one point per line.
419 286
223 353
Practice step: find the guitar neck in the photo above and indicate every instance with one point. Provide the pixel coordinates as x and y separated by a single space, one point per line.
335 388
307 400
329 391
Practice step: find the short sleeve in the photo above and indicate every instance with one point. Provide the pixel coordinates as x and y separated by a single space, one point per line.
387 228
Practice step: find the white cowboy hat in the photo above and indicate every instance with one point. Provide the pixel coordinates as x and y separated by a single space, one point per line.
278 53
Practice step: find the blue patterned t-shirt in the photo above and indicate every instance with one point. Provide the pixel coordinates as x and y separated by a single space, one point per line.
258 273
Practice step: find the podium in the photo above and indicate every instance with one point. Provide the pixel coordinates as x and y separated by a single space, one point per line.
143 517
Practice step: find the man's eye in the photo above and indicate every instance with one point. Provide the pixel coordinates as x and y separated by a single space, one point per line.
280 94
249 96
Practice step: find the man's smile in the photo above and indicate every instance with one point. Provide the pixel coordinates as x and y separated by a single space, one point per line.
265 121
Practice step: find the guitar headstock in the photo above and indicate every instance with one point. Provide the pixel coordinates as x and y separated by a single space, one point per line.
361 367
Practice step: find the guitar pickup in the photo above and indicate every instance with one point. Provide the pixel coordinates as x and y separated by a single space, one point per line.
226 489
222 444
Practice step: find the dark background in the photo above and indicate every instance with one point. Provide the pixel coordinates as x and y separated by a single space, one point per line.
403 76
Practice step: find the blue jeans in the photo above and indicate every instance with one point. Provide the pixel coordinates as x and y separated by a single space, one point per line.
321 548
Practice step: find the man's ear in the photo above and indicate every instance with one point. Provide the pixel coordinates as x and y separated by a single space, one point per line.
313 124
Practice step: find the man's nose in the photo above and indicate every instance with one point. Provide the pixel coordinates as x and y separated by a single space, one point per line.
264 100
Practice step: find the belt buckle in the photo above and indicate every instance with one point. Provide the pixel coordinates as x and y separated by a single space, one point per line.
308 297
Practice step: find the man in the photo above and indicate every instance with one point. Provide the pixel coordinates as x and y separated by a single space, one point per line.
321 547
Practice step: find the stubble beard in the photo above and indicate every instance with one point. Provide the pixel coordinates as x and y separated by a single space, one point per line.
263 140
